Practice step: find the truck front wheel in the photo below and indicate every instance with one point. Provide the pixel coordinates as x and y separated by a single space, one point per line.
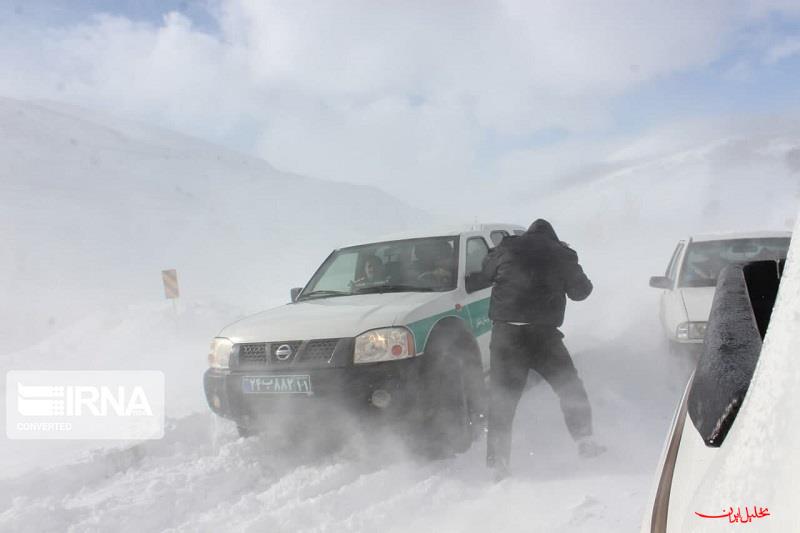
445 425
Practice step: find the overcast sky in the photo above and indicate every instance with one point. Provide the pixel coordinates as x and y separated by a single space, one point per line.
450 98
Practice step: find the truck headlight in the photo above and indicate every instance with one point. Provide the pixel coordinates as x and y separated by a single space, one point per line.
220 354
691 330
385 344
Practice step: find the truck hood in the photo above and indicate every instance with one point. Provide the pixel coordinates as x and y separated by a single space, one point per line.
325 318
697 301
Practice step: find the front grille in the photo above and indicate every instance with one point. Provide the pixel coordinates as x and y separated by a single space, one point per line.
319 350
272 354
253 353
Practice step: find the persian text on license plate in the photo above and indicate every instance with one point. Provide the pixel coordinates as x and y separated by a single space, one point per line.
276 384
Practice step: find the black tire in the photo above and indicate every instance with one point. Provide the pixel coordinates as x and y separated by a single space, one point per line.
475 381
452 401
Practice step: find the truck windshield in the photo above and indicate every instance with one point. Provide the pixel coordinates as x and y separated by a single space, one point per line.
413 265
704 260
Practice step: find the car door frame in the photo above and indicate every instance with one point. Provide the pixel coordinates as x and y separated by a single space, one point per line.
671 308
477 303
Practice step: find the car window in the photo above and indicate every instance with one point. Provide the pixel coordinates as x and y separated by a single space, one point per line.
339 273
428 264
703 261
477 249
672 268
497 236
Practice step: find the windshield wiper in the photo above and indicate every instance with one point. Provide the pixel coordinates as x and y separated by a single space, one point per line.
393 288
323 293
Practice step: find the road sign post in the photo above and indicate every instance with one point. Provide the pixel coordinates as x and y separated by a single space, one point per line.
171 290
170 279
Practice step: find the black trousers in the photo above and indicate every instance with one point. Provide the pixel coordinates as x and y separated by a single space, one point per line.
514 351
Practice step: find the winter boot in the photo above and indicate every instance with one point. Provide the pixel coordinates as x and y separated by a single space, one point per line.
588 448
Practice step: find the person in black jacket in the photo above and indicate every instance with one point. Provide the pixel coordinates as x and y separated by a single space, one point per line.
532 275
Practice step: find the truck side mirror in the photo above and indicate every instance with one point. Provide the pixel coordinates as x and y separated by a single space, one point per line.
295 292
660 282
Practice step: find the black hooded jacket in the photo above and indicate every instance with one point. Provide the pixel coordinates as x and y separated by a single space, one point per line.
532 276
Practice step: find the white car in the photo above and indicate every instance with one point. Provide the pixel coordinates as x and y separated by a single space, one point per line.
395 329
691 275
707 429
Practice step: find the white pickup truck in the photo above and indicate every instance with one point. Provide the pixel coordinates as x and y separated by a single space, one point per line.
395 329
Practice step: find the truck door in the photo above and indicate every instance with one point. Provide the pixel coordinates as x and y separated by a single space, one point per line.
477 301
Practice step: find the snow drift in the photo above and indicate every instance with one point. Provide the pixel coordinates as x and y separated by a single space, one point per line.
93 208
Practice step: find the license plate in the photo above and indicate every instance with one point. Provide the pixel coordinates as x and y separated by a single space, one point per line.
276 384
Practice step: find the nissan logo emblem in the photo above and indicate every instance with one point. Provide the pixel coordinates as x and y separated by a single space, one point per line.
283 352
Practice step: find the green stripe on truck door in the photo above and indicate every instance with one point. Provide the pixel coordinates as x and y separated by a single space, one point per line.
475 315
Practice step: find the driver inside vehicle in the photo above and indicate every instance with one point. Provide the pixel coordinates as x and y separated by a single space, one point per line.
704 268
435 264
373 272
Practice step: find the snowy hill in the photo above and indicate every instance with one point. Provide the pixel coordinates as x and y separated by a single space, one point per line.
641 194
93 208
727 183
626 214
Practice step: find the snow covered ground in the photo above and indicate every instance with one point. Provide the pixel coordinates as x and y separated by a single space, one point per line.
201 476
93 208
